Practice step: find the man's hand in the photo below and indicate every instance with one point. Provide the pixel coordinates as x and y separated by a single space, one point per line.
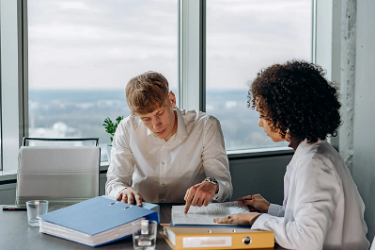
129 195
245 219
199 194
255 203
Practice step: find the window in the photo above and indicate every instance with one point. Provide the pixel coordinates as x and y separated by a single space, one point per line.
243 37
81 55
73 59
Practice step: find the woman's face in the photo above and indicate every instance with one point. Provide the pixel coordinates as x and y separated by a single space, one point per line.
267 125
273 134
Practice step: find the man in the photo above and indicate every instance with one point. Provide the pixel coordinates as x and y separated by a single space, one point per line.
163 154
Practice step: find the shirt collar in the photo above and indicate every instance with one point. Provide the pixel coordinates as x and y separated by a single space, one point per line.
304 146
181 128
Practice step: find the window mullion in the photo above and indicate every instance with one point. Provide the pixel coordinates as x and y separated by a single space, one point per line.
191 54
11 126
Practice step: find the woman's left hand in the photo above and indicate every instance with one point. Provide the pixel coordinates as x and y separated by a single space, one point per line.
238 219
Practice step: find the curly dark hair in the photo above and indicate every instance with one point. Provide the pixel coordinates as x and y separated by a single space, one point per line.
296 99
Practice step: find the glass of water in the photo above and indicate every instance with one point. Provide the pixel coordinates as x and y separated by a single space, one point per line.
34 209
144 234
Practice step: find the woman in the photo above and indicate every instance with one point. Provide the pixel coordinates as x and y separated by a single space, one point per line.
322 208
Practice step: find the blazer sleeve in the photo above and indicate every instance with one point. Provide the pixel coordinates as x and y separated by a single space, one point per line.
316 193
276 210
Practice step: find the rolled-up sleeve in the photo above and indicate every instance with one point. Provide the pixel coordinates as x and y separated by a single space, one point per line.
215 159
120 171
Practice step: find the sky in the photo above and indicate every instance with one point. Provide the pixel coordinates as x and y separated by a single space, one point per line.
95 44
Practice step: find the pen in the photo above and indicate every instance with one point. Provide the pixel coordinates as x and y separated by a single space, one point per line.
14 208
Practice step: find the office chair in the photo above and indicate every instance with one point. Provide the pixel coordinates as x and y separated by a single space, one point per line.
63 175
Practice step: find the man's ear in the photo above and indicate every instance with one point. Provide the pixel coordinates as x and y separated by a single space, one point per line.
172 99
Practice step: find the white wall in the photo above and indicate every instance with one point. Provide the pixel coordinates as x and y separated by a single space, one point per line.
364 114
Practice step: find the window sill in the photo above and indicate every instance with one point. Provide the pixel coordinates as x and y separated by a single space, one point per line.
103 166
7 177
11 176
259 152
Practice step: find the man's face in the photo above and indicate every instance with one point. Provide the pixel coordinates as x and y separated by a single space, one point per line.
162 121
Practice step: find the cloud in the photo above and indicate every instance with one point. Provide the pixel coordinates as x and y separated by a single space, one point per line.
96 43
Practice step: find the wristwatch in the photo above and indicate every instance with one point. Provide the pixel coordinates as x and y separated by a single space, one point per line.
213 181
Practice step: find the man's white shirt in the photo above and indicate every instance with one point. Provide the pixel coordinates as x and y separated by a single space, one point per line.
162 171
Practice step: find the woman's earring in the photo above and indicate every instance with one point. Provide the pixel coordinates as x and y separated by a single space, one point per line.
287 131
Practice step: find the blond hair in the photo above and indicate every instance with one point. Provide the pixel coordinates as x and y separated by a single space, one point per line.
146 92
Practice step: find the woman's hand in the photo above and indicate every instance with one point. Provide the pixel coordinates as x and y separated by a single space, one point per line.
130 195
246 219
255 203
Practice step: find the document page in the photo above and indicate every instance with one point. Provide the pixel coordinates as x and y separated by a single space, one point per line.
205 215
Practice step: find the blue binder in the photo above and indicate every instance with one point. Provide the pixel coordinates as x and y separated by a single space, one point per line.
93 217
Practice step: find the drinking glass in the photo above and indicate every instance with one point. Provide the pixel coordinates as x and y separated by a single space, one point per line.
36 208
144 234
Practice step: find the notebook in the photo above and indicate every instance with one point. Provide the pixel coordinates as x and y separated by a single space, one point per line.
203 216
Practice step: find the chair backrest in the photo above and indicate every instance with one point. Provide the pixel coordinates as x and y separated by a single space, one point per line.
61 175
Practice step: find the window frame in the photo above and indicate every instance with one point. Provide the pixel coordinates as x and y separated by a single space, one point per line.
191 69
192 64
12 84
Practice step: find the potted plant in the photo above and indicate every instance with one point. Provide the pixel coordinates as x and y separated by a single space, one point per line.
110 128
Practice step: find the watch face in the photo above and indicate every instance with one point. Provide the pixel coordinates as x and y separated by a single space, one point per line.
212 180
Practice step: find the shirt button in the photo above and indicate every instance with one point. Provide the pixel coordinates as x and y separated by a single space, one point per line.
162 163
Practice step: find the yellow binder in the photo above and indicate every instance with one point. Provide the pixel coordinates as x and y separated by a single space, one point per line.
217 238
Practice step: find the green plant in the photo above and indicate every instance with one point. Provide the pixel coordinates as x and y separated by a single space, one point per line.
111 127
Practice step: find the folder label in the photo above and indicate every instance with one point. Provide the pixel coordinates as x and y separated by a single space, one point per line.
207 242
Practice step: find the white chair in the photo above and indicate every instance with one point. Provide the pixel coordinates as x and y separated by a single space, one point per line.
63 175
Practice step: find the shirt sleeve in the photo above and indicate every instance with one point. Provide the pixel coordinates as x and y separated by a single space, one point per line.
215 159
316 193
120 171
276 210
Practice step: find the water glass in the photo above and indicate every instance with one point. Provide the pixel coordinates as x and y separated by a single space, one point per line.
36 208
144 234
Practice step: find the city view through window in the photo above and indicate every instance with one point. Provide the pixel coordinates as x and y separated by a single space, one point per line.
242 38
82 54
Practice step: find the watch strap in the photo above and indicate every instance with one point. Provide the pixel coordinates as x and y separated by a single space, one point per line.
213 181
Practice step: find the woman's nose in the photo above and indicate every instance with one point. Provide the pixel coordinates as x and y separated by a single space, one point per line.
260 122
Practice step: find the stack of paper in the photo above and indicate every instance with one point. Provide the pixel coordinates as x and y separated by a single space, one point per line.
94 222
205 215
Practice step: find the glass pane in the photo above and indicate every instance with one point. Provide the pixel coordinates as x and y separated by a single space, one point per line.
243 37
82 54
